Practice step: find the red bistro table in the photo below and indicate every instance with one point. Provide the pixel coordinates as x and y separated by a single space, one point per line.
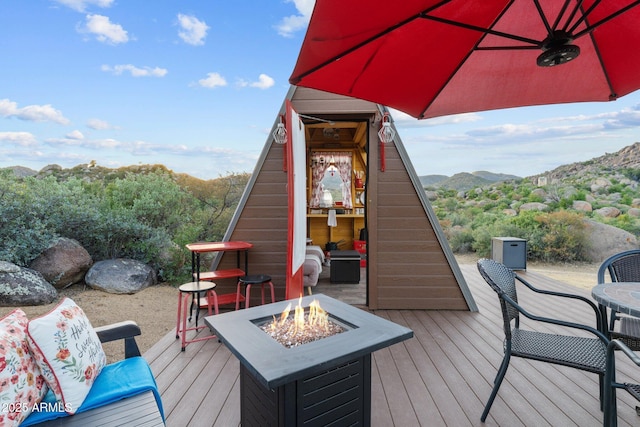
203 247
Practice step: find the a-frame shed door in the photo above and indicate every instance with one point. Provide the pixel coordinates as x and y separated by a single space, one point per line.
297 197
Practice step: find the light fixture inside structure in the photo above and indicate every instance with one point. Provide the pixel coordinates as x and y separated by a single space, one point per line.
280 133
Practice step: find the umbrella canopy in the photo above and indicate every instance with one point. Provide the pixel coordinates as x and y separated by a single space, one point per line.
431 58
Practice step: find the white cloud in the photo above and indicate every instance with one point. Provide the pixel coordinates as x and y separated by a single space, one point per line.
98 124
193 31
401 118
76 134
104 30
135 71
291 24
97 144
264 82
81 5
33 113
22 139
212 81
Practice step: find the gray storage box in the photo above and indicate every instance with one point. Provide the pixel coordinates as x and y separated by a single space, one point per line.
510 251
345 267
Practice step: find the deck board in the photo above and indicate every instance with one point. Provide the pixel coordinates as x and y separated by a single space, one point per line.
442 376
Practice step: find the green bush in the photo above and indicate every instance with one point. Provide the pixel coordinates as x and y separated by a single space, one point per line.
461 240
564 237
147 217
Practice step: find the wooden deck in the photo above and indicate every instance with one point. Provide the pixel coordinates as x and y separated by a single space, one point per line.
442 376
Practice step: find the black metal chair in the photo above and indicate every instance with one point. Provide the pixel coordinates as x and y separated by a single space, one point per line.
623 267
580 352
610 404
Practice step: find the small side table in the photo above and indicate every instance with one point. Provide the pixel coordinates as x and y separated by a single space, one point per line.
193 289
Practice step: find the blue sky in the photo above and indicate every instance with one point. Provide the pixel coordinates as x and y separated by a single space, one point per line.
197 85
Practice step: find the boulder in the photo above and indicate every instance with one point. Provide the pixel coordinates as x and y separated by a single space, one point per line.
431 195
22 286
539 192
634 212
581 205
606 240
608 212
533 206
63 264
600 184
120 276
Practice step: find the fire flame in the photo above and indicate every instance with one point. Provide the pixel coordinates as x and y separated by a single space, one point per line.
316 318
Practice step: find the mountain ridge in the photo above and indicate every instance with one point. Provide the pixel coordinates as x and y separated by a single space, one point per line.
625 158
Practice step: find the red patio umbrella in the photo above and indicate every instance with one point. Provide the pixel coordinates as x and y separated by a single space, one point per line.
431 58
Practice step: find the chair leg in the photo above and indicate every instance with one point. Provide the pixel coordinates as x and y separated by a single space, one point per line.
496 385
179 315
212 295
608 399
184 321
247 296
273 295
238 295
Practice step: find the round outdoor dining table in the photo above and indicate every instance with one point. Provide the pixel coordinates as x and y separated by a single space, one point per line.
623 297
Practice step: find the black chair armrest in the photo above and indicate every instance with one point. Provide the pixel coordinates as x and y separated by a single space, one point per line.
620 345
126 331
591 304
573 325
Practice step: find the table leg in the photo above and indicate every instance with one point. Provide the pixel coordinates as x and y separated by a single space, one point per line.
604 321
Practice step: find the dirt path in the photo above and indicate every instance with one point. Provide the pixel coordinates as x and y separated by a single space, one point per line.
581 275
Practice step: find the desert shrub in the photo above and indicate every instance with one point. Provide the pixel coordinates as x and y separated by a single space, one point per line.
147 217
631 173
25 230
564 237
450 204
482 235
153 199
461 239
624 222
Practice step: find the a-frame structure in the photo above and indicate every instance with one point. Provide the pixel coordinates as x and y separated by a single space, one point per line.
409 262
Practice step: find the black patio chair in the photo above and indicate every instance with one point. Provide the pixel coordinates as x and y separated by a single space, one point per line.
610 404
623 267
580 352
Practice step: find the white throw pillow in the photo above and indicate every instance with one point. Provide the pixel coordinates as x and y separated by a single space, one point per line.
68 351
21 383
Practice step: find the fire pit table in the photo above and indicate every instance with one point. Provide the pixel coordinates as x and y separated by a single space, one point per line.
312 384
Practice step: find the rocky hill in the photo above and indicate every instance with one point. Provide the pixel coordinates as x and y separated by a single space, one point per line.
625 160
617 165
464 180
604 192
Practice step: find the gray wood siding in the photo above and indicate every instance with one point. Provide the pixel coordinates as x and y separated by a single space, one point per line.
411 271
263 221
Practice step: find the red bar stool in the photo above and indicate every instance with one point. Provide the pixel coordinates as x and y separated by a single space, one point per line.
194 289
255 279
